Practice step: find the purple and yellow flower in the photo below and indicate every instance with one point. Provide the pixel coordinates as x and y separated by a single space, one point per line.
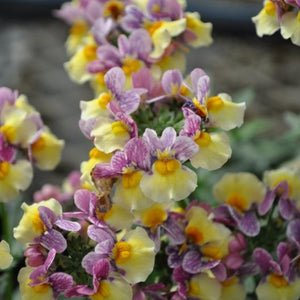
172 180
240 192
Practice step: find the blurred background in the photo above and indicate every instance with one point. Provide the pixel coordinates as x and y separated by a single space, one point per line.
264 72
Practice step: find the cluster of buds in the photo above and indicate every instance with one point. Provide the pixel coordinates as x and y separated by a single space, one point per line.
130 34
24 141
279 14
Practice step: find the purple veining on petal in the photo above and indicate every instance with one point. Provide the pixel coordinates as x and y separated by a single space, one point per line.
247 223
61 282
54 240
105 247
172 81
88 262
67 225
220 272
101 269
103 170
185 148
202 88
150 136
98 234
193 263
82 200
115 80
175 231
138 152
286 208
191 123
47 216
133 18
129 101
140 44
168 138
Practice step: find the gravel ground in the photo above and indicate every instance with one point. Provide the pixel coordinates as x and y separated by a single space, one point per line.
32 55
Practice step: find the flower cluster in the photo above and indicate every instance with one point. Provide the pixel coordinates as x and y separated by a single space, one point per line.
279 14
24 141
135 229
130 34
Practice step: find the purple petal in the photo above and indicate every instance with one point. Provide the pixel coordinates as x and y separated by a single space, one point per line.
123 45
168 138
191 123
282 250
105 247
140 43
175 231
96 66
86 126
133 18
220 272
248 223
54 240
88 262
47 216
234 261
195 75
265 261
202 88
193 264
293 232
110 56
68 225
171 79
174 257
119 161
150 136
61 282
129 101
267 203
82 200
101 269
185 148
101 28
98 234
103 170
115 80
38 276
286 208
137 151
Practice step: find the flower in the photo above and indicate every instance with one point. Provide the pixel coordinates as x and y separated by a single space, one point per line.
172 180
5 256
240 191
266 21
14 177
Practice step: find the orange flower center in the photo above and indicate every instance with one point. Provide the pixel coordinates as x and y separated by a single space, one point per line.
166 167
214 104
194 234
238 201
4 169
277 280
122 252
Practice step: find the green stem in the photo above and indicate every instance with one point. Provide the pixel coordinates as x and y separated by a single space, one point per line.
6 235
5 223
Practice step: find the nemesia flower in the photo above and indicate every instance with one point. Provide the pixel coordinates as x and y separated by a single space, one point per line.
76 66
5 256
17 126
129 167
27 292
45 151
86 167
197 33
171 180
112 134
240 191
279 281
33 225
290 26
220 110
201 286
14 177
214 148
266 21
284 184
117 217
